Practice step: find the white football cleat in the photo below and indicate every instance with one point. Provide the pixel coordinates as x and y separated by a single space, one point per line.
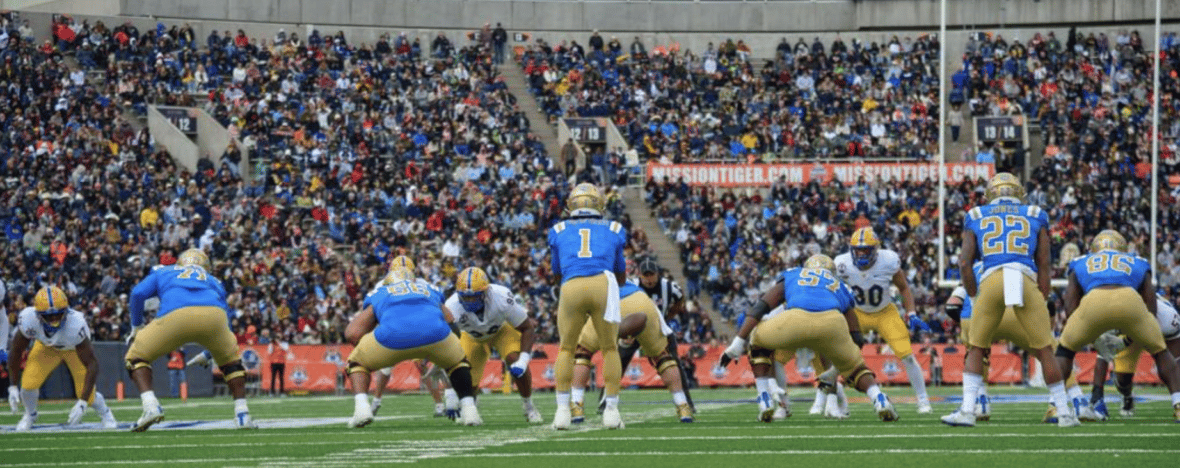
108 420
1084 411
150 416
531 414
781 413
817 406
26 422
1067 419
983 408
924 405
362 415
959 419
832 409
377 405
561 419
611 418
885 409
244 421
469 414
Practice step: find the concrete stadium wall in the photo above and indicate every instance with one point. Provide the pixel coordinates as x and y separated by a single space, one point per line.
111 370
183 150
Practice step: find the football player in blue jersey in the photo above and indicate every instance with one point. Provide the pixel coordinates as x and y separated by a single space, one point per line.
1110 289
1113 349
1012 240
192 309
818 315
403 320
586 256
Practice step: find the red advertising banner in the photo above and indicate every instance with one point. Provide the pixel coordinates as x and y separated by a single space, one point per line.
321 368
760 175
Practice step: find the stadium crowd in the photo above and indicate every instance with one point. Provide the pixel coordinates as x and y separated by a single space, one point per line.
812 100
360 153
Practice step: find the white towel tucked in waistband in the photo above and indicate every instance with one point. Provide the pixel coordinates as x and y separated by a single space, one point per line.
1013 287
613 311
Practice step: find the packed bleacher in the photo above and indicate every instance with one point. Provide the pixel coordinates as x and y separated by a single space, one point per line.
804 100
360 153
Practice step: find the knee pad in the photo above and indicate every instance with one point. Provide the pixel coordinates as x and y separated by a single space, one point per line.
662 362
1063 352
859 373
355 368
133 364
582 357
233 370
761 356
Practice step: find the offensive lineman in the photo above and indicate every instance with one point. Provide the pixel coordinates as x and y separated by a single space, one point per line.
403 320
490 316
192 309
869 270
1012 240
1114 349
59 334
818 316
1110 289
643 324
586 257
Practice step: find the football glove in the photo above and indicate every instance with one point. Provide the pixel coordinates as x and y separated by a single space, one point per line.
1109 344
917 323
201 359
77 412
131 336
14 398
521 365
734 352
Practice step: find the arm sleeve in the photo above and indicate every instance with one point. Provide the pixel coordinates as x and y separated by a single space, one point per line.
140 293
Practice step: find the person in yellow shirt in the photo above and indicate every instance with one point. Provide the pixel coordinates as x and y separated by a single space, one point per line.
148 217
910 217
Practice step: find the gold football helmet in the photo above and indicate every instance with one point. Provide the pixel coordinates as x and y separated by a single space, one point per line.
585 200
51 305
194 257
864 244
1004 185
471 285
1108 240
404 262
396 274
820 261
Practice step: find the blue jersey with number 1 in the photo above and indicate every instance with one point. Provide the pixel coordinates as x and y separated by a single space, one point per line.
409 315
1109 268
178 287
815 290
1006 232
586 247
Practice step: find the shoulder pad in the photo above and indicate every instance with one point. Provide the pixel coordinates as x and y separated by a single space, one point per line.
889 260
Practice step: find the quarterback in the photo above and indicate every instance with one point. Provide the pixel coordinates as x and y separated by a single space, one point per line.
1110 289
490 316
643 323
58 334
1012 240
192 309
869 270
818 316
586 257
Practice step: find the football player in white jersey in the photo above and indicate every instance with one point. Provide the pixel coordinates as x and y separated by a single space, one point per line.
869 270
58 333
490 316
432 377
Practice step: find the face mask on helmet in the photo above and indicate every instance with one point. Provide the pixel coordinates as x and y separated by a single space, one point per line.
472 302
51 320
864 256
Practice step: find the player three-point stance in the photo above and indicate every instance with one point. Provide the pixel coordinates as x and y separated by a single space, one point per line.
586 255
1109 289
58 334
869 270
403 320
1113 349
490 316
1012 240
192 309
818 316
642 323
446 401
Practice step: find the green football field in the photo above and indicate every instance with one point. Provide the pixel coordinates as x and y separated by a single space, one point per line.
310 431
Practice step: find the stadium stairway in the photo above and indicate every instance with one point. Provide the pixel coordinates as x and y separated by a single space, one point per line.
539 123
667 253
98 80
